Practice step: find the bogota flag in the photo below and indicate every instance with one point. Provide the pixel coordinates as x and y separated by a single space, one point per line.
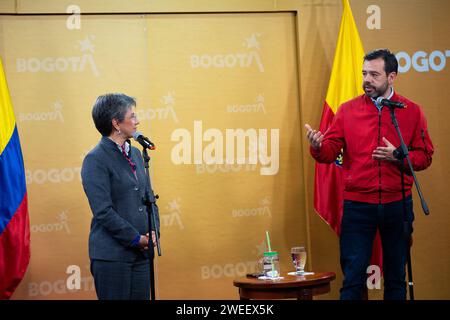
345 84
14 221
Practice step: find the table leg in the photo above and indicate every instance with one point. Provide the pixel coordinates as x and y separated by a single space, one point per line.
305 294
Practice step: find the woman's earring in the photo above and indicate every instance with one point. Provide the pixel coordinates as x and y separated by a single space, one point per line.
118 131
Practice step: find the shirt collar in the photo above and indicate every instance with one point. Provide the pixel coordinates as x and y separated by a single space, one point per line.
127 145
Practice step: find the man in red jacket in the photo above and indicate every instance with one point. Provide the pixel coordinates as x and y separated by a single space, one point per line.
363 130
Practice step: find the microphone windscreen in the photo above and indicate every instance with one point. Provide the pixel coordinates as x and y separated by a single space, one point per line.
380 100
136 135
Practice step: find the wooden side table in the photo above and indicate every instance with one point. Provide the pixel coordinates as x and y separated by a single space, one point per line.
300 287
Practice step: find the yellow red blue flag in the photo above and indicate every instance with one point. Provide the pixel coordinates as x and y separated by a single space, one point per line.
14 221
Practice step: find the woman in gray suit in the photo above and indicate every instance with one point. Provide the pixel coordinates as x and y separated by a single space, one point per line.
115 184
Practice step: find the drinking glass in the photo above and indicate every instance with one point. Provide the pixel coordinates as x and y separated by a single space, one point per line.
299 259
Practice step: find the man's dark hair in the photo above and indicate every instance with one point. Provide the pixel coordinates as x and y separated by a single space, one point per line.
108 107
390 61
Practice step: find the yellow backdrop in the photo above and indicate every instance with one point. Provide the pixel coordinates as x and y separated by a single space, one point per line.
224 97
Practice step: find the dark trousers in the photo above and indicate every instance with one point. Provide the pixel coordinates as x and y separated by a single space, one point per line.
359 225
115 280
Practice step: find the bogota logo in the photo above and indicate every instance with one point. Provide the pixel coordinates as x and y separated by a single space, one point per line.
173 217
163 113
54 115
213 152
62 64
232 60
421 61
262 210
53 227
258 106
231 270
54 175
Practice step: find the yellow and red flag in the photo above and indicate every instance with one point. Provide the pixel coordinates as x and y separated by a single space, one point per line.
345 84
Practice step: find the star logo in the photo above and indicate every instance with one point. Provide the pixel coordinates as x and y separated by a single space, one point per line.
252 42
174 205
57 104
168 99
86 44
265 201
260 248
260 98
62 216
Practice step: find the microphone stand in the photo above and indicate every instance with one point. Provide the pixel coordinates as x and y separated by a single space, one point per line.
407 225
151 222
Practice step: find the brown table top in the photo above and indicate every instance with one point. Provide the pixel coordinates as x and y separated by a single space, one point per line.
288 281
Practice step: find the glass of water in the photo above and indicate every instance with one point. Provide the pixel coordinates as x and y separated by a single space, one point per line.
299 259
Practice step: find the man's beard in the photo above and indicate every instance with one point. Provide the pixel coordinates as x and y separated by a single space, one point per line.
374 92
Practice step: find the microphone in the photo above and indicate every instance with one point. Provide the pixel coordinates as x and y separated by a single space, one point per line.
144 141
390 103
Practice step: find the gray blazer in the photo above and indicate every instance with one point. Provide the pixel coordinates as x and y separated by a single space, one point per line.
115 197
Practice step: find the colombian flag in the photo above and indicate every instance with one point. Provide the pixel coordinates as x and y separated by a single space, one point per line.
14 221
345 84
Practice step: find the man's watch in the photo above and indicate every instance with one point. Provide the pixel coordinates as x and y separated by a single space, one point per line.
398 153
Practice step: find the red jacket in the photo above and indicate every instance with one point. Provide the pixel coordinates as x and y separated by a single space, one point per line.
358 128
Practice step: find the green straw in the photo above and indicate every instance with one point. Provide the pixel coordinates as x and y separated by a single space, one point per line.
268 240
270 249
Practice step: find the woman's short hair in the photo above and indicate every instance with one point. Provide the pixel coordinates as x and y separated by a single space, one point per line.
108 107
